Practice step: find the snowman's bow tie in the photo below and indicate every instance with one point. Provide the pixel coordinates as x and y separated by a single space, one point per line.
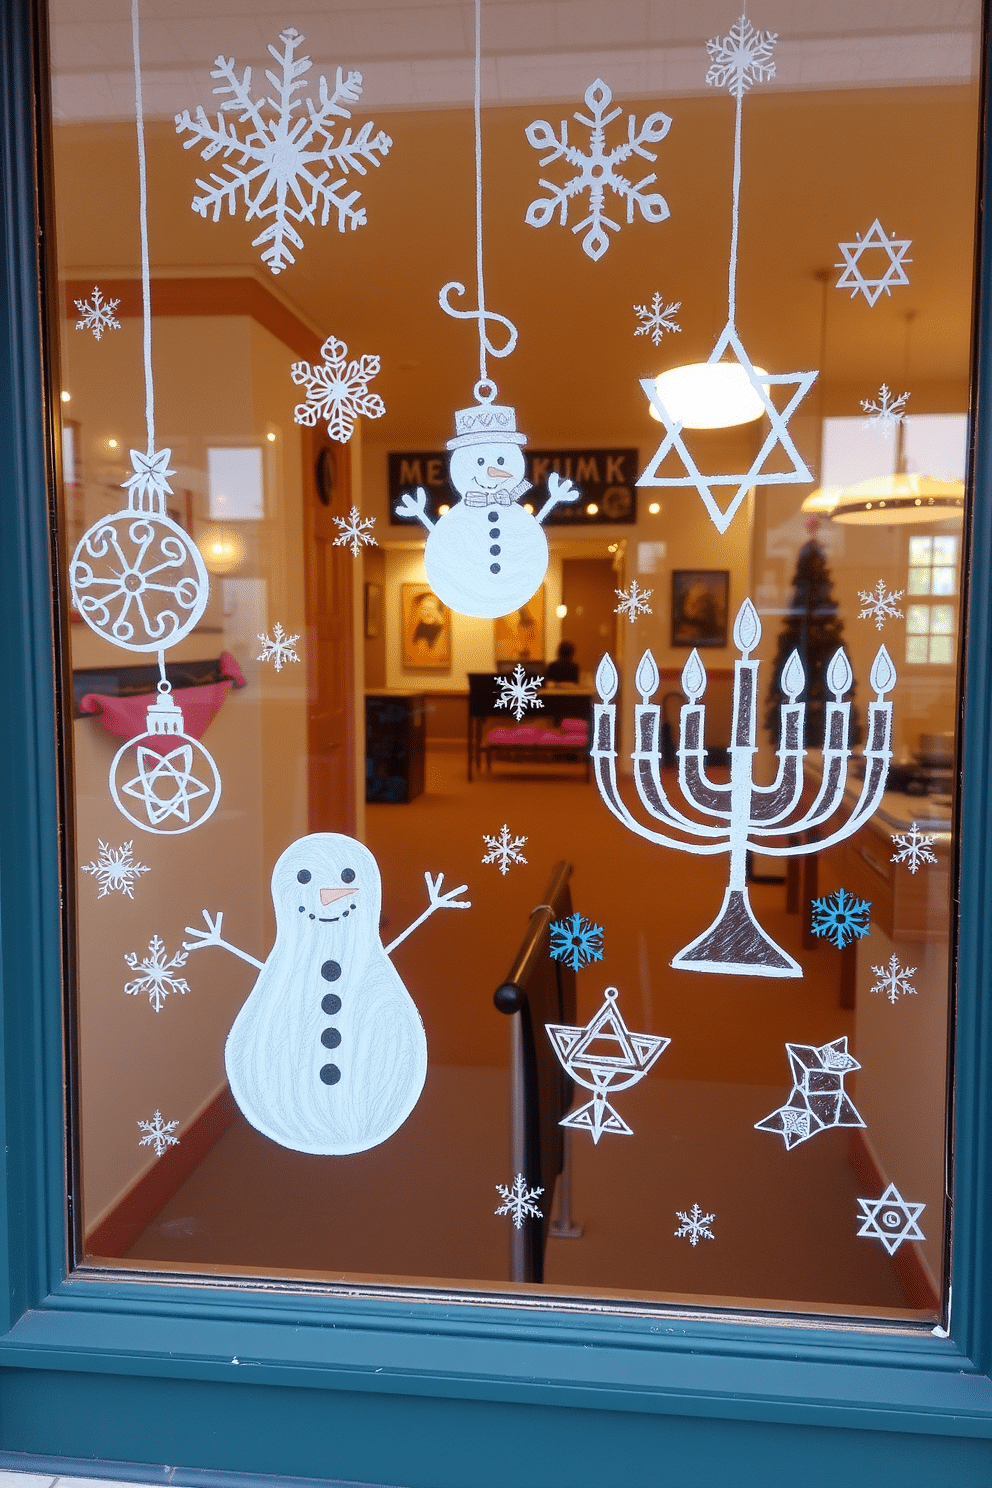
501 497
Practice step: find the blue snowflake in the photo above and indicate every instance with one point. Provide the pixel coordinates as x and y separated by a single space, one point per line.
576 941
841 918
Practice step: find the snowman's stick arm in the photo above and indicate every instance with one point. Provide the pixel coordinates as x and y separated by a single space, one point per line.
212 937
227 946
438 901
558 490
410 929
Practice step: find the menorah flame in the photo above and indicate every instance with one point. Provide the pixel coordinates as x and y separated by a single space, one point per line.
744 816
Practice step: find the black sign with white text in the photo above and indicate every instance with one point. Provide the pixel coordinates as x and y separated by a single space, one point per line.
605 478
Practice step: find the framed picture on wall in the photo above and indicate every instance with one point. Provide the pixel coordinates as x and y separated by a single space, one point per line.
700 602
519 636
426 629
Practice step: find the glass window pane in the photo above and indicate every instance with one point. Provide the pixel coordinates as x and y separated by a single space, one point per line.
917 619
945 550
942 619
920 551
941 648
944 580
917 648
919 581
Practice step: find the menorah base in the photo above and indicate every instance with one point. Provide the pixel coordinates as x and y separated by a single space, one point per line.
736 945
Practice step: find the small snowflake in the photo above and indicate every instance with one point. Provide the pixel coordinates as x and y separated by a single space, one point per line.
841 917
576 941
280 647
518 692
597 170
658 318
894 980
888 413
519 1201
155 969
158 1134
741 58
337 390
116 869
97 314
285 160
633 601
914 849
695 1226
356 530
504 850
879 604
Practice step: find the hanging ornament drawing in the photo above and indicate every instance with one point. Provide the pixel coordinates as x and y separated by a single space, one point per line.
164 780
818 1099
486 556
740 816
738 60
328 1054
874 242
283 164
604 1057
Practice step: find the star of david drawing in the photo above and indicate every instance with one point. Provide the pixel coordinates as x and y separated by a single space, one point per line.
778 436
854 278
604 1056
890 1219
156 771
818 1099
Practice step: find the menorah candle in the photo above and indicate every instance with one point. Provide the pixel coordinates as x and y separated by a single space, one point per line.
792 715
646 715
604 713
883 679
744 731
837 716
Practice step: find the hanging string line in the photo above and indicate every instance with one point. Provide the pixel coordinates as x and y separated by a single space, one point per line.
146 296
735 225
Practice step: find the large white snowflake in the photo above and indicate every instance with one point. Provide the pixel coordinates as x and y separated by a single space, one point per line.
657 318
337 390
155 977
279 648
115 870
518 692
741 58
633 601
879 604
894 980
158 1134
887 413
518 1201
915 849
356 530
598 169
695 1226
97 314
283 164
504 850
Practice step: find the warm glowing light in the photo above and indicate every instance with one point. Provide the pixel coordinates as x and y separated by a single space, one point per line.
271 438
892 500
592 509
112 443
709 395
561 611
223 549
821 502
654 508
443 509
65 396
528 507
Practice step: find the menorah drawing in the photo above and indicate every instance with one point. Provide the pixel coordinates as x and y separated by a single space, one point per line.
743 816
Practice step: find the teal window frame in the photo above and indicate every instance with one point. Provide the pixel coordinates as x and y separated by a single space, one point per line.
293 1381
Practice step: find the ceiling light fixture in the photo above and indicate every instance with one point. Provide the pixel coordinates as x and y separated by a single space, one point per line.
709 395
889 500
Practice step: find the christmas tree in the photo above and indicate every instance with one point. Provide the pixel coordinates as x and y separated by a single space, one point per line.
812 628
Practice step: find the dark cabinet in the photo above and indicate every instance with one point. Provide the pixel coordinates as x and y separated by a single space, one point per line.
395 746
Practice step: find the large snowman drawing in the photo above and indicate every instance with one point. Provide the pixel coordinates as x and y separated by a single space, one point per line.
328 1054
487 555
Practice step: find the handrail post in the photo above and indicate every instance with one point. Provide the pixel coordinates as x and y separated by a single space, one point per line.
519 1236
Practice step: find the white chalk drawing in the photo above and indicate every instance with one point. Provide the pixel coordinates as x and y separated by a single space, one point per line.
890 1219
818 1099
739 815
97 314
737 61
597 170
894 980
518 692
164 780
158 1134
328 1054
657 318
915 849
576 941
854 277
695 1226
879 604
279 648
116 870
355 533
288 165
337 390
841 918
885 412
155 974
633 601
504 850
604 1057
519 1201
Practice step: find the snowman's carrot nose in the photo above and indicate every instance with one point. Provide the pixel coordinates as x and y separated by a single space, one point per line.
495 472
328 896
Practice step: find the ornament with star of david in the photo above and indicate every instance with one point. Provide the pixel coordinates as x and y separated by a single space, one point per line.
164 780
891 1219
854 277
605 1057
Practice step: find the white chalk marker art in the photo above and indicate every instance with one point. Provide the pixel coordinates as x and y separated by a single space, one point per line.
854 277
328 1054
163 780
606 1058
891 1219
818 1099
739 815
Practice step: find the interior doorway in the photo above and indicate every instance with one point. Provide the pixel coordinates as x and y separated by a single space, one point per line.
589 598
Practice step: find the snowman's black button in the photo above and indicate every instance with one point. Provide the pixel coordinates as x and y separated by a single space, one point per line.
330 1038
494 568
330 971
494 532
330 1074
495 550
331 1002
494 516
